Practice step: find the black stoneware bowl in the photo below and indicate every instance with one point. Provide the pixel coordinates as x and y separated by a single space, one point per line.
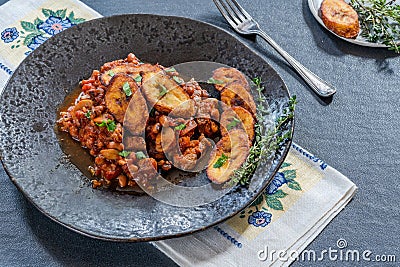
35 162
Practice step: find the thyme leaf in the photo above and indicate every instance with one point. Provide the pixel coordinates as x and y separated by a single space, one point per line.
267 143
379 21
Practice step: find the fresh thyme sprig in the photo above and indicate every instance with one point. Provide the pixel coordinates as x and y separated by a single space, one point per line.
379 21
264 145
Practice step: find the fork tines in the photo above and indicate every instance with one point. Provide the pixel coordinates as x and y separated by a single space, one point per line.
232 11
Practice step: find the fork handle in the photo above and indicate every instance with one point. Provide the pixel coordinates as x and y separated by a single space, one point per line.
319 86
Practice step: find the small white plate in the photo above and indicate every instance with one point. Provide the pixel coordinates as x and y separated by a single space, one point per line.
314 6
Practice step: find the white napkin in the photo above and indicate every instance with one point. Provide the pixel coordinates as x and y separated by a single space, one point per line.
304 197
24 24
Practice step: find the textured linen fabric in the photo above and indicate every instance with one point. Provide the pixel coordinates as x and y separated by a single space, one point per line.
241 244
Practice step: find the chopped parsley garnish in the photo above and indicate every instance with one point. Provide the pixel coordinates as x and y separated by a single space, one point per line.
214 81
124 153
110 124
172 69
180 127
177 79
111 73
127 89
220 161
138 79
163 90
88 113
140 155
232 124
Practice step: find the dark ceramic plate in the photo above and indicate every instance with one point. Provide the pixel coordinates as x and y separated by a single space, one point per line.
36 164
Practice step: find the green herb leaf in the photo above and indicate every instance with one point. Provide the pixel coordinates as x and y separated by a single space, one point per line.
127 89
163 89
180 127
177 79
289 174
102 124
88 114
214 81
379 21
140 155
110 73
220 161
110 124
172 69
232 124
138 79
124 153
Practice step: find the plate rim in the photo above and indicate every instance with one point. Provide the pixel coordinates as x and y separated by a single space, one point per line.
75 229
314 11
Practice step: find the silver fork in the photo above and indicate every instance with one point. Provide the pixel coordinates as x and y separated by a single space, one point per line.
244 24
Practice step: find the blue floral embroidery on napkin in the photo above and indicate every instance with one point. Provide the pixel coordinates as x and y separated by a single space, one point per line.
54 25
37 32
257 213
260 218
9 35
278 181
36 41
